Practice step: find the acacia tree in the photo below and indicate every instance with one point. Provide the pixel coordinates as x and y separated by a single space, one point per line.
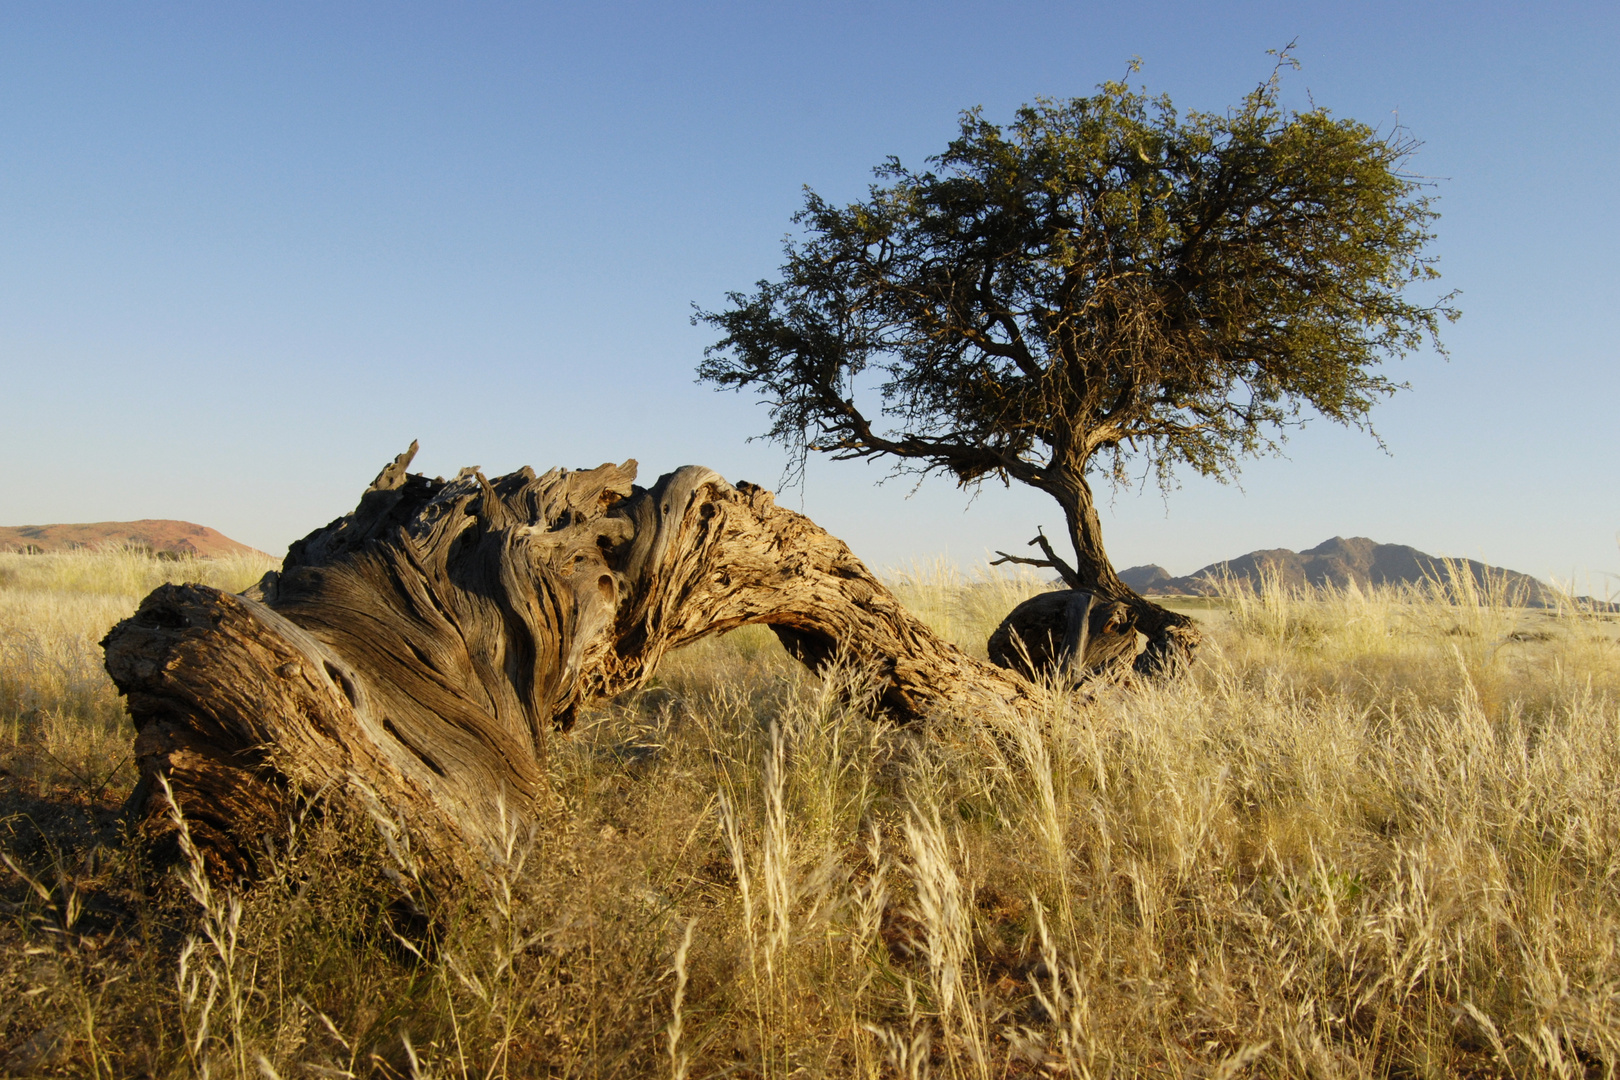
1102 288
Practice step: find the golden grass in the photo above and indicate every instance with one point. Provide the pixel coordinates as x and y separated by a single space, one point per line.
54 610
1369 834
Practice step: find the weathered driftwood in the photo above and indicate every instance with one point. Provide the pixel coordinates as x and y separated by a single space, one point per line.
1073 635
419 652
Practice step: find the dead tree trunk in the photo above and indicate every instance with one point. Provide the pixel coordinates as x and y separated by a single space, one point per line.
1068 635
1172 638
418 653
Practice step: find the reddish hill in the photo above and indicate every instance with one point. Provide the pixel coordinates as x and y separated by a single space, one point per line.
179 537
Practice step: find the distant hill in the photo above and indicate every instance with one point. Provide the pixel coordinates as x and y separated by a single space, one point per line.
173 537
1337 562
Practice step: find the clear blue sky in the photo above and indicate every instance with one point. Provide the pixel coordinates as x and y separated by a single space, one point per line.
249 251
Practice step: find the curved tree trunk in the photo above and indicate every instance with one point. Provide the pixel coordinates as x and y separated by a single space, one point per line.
1172 636
418 653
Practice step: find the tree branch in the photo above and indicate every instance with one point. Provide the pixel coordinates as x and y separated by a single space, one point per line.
1006 558
1067 572
863 441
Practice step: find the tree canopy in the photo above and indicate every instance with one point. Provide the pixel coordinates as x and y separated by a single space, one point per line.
1103 281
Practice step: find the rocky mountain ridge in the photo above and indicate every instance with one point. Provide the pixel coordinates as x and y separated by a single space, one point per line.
1340 562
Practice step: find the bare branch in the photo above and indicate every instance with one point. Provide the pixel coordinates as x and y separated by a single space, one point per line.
1052 561
1063 568
1006 558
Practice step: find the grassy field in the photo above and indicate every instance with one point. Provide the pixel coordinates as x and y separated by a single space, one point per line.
1370 834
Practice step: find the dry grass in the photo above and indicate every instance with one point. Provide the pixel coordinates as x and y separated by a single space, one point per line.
55 699
1371 834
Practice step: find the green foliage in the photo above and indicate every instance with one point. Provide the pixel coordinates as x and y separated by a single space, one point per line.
1102 280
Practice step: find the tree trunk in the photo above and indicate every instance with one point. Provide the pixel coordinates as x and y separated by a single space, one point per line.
1071 636
418 653
1172 637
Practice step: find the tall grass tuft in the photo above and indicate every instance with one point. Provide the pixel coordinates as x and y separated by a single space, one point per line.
1372 832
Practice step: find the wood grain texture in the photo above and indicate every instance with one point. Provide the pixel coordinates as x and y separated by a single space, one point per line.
1038 637
419 652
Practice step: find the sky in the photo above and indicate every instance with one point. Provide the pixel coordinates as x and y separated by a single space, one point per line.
249 251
